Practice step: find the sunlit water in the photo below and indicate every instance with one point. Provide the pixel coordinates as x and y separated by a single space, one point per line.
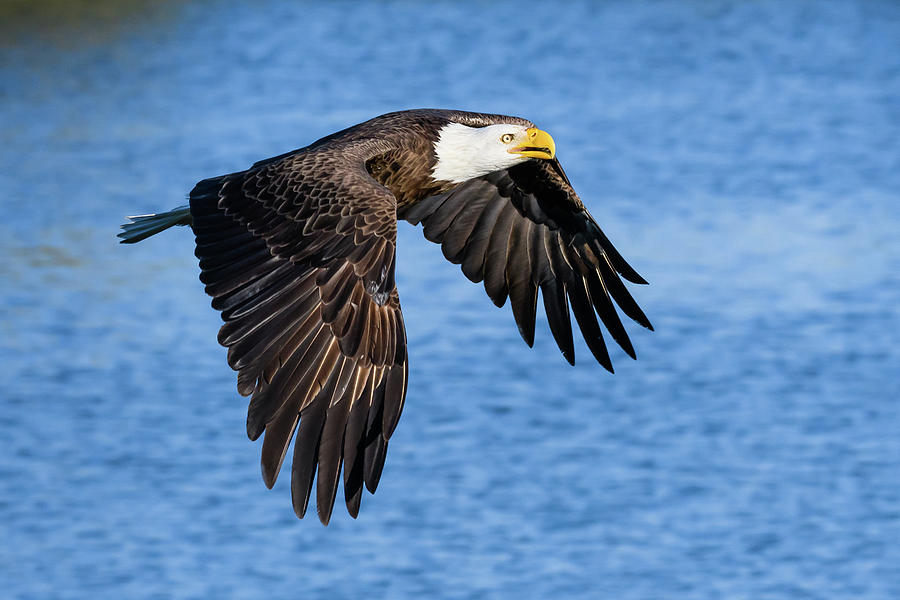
745 159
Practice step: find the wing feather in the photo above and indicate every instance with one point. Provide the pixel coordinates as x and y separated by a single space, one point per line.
522 290
476 246
497 255
331 447
375 442
354 442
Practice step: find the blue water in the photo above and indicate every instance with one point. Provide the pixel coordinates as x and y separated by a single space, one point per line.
744 158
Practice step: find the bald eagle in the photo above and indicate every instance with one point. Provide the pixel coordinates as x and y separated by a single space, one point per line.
297 253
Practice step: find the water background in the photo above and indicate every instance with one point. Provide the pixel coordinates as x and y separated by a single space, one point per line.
745 158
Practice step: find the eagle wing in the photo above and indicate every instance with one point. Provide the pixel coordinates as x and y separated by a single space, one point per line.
298 255
524 229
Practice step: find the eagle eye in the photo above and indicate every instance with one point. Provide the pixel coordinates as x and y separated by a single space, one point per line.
506 138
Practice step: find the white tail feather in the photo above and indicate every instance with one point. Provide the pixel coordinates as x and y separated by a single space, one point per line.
141 227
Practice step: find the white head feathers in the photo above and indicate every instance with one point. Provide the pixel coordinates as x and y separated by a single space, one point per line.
465 152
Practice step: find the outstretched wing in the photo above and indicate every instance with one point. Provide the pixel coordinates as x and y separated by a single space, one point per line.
524 229
298 255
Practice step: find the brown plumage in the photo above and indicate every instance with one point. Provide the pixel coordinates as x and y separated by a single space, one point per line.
298 255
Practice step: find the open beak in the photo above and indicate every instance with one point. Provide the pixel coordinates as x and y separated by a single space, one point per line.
537 144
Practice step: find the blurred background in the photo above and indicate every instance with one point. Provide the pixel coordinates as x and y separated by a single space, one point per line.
744 157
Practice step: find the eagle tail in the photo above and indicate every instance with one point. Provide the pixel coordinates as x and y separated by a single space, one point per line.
141 227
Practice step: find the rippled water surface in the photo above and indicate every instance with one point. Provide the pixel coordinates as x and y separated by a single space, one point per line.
744 158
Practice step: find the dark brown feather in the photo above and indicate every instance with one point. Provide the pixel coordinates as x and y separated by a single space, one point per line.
522 292
394 394
278 435
587 322
306 446
331 446
497 256
476 246
355 437
557 309
375 444
459 232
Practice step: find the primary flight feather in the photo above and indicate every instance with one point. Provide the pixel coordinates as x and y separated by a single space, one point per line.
298 255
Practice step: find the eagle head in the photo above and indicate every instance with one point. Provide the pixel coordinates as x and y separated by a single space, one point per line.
463 152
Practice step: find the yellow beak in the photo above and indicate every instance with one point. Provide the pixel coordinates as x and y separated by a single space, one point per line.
537 144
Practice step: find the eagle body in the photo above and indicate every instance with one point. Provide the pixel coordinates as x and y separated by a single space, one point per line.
298 255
